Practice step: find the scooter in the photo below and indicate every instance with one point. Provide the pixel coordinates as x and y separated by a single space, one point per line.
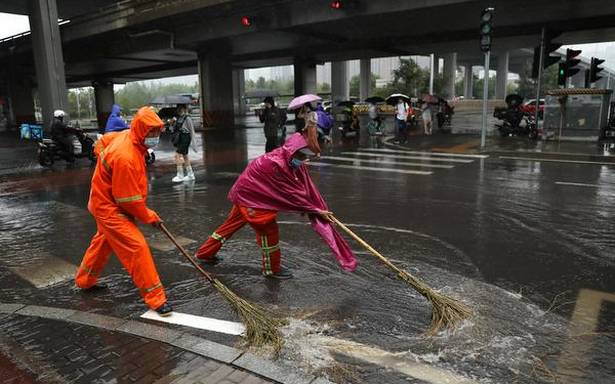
49 150
516 123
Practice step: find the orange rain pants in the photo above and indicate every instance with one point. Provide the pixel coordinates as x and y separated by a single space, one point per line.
118 197
267 236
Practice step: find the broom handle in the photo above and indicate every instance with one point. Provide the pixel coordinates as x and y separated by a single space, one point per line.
367 246
207 275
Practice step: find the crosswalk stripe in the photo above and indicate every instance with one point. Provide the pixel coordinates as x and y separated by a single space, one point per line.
45 271
424 158
352 159
445 154
165 245
198 322
393 170
577 184
557 160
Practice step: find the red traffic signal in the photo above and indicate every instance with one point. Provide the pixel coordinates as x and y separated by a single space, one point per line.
337 4
246 21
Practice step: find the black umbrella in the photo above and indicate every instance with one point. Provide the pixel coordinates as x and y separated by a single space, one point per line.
347 104
172 99
374 100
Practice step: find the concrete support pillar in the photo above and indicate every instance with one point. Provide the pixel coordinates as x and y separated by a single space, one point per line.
305 77
436 65
365 76
239 89
216 89
48 59
468 82
450 75
104 99
340 85
502 75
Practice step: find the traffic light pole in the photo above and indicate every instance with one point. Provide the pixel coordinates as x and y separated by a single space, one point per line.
539 80
483 130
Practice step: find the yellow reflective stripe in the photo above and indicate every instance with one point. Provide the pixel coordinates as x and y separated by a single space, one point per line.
103 162
129 199
215 236
266 256
148 290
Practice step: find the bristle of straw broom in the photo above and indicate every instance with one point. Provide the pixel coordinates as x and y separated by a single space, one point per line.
446 312
262 327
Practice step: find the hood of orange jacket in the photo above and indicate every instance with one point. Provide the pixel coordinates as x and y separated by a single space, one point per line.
144 121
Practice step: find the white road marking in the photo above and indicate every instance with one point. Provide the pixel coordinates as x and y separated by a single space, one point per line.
446 154
424 158
557 160
45 271
393 170
199 322
577 184
353 159
406 363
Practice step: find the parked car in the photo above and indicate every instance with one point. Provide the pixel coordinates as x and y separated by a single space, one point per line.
529 107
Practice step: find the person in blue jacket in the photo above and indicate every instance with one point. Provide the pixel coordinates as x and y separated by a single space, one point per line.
115 123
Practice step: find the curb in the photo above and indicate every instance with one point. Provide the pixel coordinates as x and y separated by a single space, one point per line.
198 345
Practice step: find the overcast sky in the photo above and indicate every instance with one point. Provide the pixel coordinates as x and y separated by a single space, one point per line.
14 24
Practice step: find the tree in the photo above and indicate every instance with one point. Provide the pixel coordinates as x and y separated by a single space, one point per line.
355 85
261 83
527 85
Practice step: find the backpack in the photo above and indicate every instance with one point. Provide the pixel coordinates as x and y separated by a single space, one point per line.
324 121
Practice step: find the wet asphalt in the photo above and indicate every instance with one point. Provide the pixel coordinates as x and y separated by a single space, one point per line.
527 245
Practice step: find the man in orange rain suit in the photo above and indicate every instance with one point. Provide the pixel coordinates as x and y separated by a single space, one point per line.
117 199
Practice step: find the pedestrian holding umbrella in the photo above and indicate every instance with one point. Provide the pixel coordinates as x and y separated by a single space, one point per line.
305 110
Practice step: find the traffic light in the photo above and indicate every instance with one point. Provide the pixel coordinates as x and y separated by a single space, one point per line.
486 28
561 75
338 4
246 21
594 69
549 48
572 62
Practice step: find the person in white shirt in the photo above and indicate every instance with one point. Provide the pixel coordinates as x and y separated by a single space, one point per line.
400 121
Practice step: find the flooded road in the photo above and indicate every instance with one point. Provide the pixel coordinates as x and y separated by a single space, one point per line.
527 245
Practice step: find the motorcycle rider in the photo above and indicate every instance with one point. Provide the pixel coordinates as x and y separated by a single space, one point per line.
63 135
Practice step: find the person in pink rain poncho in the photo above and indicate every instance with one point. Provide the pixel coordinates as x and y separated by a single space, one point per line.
277 181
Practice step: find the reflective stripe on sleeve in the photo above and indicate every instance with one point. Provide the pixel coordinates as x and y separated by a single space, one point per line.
128 199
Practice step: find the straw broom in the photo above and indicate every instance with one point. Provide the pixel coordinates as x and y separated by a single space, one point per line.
446 312
261 326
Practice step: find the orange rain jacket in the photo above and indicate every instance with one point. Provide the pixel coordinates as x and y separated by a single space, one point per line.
117 196
119 186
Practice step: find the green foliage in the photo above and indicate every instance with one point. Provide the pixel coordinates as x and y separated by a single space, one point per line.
284 87
527 85
355 85
136 95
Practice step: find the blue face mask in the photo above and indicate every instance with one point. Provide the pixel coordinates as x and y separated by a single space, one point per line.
151 142
295 163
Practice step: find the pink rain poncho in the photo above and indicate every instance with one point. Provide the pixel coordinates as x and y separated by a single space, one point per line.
270 183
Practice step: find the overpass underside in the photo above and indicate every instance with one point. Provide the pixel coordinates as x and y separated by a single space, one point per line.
117 42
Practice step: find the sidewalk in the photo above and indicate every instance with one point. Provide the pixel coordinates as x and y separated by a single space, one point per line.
55 345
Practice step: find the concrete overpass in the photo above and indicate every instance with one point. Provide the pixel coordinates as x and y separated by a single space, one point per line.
109 42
